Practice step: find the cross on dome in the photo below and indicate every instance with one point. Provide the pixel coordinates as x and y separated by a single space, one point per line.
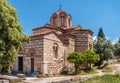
60 7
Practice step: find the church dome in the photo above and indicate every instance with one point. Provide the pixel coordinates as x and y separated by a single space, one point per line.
61 19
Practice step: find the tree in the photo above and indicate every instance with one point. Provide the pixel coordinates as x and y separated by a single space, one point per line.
91 57
109 50
101 33
103 47
11 36
99 46
76 58
117 48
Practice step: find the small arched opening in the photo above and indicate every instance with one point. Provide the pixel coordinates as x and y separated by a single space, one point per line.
55 50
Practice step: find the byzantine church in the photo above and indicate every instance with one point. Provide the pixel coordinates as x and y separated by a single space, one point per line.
51 43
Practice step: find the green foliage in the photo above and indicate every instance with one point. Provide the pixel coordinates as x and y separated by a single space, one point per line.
104 79
103 47
109 49
109 69
87 72
11 36
90 56
118 60
117 48
99 47
101 33
76 58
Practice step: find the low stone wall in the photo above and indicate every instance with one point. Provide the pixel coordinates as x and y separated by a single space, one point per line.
8 79
4 81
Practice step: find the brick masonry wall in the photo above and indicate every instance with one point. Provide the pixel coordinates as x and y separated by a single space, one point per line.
82 41
41 30
54 65
34 49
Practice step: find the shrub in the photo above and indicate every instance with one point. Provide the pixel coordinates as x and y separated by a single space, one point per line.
118 60
64 71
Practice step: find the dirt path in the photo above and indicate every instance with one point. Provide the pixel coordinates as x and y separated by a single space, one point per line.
54 79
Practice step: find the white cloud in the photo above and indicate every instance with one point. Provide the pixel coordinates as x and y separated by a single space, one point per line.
94 38
115 40
108 38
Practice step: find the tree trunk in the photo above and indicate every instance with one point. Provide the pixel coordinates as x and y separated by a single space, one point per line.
90 66
76 68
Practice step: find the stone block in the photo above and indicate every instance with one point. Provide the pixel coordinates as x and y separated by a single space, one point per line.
20 75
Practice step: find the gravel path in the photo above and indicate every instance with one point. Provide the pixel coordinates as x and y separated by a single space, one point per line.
55 79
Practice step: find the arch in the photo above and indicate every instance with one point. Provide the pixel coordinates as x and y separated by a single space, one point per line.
54 19
63 14
32 52
54 15
61 19
55 50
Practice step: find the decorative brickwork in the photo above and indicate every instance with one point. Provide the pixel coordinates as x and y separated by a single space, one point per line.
50 45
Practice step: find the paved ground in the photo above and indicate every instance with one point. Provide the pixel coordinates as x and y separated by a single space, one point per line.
51 79
48 80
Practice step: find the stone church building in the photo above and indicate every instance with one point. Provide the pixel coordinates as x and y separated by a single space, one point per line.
50 45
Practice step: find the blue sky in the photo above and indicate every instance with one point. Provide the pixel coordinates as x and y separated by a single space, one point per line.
91 14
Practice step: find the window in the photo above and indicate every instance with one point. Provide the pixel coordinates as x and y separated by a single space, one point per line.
55 50
31 54
54 20
69 22
62 16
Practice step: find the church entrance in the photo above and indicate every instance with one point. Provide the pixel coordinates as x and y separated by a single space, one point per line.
20 63
32 65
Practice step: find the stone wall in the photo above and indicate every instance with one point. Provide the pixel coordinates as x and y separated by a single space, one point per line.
72 80
60 32
90 41
83 40
33 49
68 49
41 30
52 65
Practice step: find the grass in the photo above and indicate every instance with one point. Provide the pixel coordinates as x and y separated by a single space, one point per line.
86 72
115 61
109 69
82 72
104 79
44 76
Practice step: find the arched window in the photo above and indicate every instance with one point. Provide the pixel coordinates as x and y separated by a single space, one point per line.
69 22
54 19
62 16
31 54
55 50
